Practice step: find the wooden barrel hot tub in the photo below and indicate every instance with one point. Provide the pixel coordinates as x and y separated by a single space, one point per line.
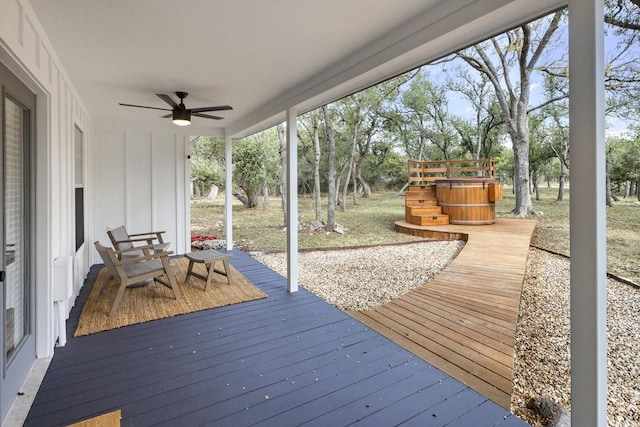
469 200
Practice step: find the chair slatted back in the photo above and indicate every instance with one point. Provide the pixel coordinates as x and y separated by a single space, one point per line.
107 258
119 234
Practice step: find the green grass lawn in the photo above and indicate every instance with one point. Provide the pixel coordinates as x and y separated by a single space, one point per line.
552 232
372 222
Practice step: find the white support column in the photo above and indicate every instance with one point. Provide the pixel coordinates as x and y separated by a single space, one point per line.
292 201
228 196
588 215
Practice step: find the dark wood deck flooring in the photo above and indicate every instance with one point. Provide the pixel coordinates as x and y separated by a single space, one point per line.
464 320
287 360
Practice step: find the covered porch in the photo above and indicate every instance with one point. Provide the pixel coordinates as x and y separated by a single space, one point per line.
80 59
289 359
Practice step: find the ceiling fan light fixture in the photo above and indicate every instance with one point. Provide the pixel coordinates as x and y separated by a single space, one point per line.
181 117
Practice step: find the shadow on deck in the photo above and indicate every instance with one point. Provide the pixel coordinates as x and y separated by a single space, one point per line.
464 320
289 359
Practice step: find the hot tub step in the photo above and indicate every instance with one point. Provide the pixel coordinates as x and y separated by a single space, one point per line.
429 219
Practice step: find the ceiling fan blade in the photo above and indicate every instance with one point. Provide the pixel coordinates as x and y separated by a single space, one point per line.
144 106
167 116
168 100
216 108
206 116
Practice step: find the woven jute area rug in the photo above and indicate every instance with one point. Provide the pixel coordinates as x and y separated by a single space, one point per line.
111 419
156 301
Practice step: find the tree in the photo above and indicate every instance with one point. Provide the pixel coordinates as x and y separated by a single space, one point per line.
204 175
256 166
426 107
361 115
522 47
624 14
331 169
559 143
283 167
206 169
540 152
479 135
623 156
317 155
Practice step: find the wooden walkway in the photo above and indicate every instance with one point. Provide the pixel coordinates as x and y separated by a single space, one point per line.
463 321
285 360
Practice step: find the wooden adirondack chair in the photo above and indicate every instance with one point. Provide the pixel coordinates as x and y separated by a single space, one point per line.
122 240
131 271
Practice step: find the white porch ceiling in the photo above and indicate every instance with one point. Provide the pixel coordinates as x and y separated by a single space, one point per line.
259 56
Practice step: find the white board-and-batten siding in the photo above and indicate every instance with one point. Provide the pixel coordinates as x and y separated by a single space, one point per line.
140 178
137 178
27 52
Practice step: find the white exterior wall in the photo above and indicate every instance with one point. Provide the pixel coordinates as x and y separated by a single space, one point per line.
131 177
142 182
27 52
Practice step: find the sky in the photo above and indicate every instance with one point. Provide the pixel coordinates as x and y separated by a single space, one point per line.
557 51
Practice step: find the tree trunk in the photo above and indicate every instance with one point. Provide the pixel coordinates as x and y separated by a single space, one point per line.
242 197
316 172
355 189
523 206
627 189
265 194
347 180
344 170
401 192
563 174
283 175
331 170
608 185
532 187
536 188
514 103
366 189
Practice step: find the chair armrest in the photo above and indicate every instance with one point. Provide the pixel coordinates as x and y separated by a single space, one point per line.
146 239
152 255
158 235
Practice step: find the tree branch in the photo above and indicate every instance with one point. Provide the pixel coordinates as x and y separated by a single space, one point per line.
547 102
553 26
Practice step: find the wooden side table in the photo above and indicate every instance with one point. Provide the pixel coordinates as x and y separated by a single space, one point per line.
209 259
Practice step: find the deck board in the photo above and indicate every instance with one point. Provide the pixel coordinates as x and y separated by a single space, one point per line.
288 359
464 320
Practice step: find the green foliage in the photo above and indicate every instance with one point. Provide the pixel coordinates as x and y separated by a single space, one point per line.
504 165
428 114
623 154
207 155
386 171
206 172
256 162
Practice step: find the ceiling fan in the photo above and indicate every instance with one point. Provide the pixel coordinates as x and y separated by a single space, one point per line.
180 114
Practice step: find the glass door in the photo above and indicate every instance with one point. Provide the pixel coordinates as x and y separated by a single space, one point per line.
17 105
16 289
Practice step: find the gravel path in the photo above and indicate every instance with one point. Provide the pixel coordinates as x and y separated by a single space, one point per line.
360 279
542 364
